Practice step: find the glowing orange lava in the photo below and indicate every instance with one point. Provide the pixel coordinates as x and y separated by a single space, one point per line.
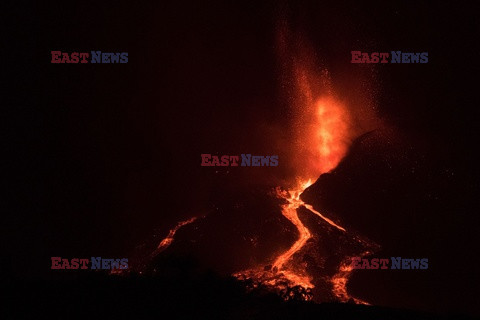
322 146
323 135
165 243
319 136
329 135
321 132
340 279
289 210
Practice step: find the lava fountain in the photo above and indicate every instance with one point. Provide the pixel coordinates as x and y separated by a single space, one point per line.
321 132
323 139
326 129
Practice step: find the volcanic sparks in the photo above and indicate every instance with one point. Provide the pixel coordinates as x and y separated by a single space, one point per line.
318 136
321 133
323 137
325 132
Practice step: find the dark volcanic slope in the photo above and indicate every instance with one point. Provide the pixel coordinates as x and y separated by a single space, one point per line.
189 296
410 200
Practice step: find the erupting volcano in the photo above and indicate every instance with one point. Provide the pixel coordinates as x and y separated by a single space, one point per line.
325 139
321 133
316 266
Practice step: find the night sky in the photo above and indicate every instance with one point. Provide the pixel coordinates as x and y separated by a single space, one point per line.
104 156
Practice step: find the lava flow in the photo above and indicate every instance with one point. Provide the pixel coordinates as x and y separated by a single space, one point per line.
323 135
289 210
318 138
340 279
165 243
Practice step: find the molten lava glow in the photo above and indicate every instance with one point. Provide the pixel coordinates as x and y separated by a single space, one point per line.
340 279
165 243
289 210
321 140
320 135
309 207
330 132
323 135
